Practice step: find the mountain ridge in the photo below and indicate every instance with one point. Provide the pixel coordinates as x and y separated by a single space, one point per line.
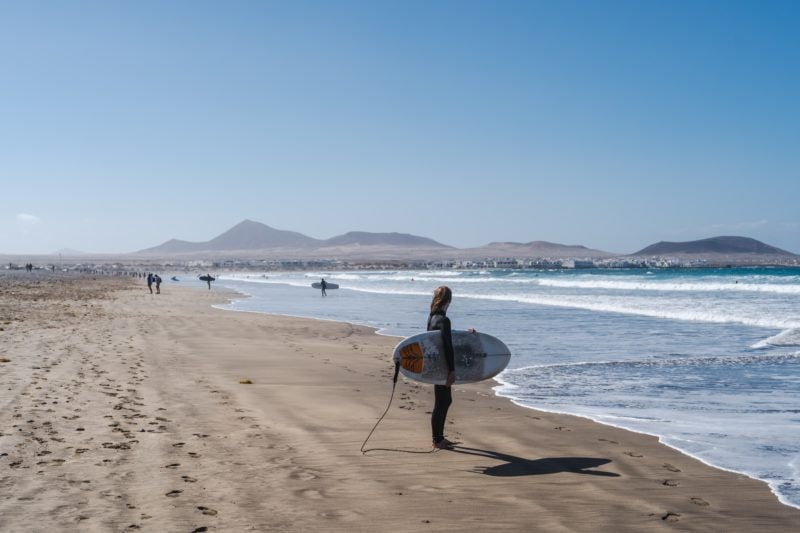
255 239
250 236
722 245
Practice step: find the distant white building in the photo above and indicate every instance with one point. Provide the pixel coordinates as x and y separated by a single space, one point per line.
578 263
506 263
544 263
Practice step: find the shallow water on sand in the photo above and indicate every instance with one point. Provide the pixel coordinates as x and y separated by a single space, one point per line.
708 360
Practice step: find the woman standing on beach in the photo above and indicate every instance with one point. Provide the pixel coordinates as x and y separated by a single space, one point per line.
438 320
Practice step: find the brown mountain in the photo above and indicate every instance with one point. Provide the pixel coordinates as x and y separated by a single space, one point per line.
536 249
246 235
714 246
363 238
255 236
254 239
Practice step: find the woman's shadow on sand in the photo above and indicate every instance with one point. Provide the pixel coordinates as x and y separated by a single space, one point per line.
518 466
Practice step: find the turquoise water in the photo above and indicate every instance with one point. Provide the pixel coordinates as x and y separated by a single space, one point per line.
708 360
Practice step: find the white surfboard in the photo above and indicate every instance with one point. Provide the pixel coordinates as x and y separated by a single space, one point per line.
478 356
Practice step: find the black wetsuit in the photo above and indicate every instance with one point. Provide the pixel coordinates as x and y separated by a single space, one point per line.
443 398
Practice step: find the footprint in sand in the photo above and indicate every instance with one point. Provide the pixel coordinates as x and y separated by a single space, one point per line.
207 510
303 475
173 493
699 501
608 441
671 468
670 517
310 494
189 479
633 454
173 465
670 483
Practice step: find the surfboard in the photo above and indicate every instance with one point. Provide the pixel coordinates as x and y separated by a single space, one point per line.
207 278
478 356
318 285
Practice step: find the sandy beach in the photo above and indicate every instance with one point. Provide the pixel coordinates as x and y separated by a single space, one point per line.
121 410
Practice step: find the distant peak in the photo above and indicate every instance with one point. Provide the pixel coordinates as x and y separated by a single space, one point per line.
714 245
247 222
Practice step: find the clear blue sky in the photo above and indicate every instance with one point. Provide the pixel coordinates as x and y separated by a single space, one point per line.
612 124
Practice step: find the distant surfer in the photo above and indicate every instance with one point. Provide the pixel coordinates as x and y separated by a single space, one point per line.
323 285
157 279
150 282
437 320
208 279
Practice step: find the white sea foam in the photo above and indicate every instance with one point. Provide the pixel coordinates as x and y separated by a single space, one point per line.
662 363
669 306
716 312
789 337
666 286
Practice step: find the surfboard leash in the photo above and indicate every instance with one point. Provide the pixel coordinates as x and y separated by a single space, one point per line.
391 397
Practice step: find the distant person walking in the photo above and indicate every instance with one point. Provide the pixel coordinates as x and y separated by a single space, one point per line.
158 284
150 282
208 279
323 285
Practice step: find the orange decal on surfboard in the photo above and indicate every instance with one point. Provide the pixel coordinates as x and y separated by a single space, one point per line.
411 357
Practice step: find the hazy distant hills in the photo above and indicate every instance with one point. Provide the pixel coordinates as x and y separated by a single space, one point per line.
714 246
254 240
246 235
249 237
536 249
363 238
70 252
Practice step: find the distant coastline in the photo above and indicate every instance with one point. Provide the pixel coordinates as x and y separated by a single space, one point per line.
255 246
126 267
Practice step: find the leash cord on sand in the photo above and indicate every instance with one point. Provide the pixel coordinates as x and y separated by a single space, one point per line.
394 386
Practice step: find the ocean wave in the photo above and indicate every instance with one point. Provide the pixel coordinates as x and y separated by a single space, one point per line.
711 311
789 337
649 308
665 286
680 362
267 281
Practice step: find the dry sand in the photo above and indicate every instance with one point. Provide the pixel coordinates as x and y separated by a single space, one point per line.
121 410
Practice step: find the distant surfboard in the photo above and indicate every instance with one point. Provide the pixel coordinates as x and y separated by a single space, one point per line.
207 278
478 356
174 278
318 285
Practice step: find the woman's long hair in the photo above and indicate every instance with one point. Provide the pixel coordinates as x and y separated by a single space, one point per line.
441 297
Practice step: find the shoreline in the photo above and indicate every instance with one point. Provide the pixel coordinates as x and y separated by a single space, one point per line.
660 441
130 411
499 383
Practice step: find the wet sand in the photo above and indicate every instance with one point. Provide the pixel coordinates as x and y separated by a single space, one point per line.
121 410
